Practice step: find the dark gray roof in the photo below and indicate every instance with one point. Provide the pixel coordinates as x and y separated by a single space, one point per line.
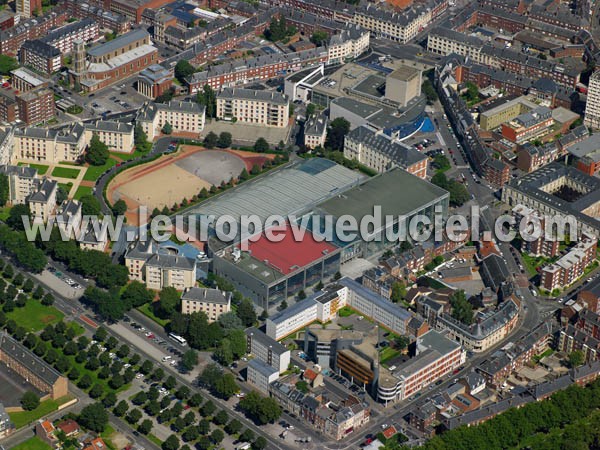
119 42
61 32
262 367
26 358
171 262
20 171
109 125
315 125
41 48
207 295
494 271
256 335
252 94
44 191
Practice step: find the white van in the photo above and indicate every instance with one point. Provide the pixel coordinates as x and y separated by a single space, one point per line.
244 446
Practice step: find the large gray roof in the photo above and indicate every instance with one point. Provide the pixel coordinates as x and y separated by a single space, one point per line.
253 94
119 42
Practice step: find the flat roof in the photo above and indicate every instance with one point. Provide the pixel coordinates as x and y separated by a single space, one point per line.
289 254
396 191
404 73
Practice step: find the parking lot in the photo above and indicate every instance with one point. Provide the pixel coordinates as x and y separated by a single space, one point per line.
172 354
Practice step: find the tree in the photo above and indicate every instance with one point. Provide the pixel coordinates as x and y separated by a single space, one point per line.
224 140
238 341
217 436
47 300
220 418
170 382
576 358
85 381
190 434
462 310
121 408
123 351
401 342
208 409
141 139
429 91
96 391
30 401
97 153
38 293
168 302
261 145
338 129
4 189
247 435
183 69
15 219
208 98
158 374
90 205
210 140
109 400
233 427
398 291
226 386
223 353
145 427
119 208
7 64
134 416
171 443
94 417
255 169
140 398
189 360
246 312
136 294
167 128
318 38
260 409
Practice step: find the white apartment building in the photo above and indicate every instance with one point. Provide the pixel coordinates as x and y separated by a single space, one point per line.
267 350
211 302
315 131
49 146
22 182
42 202
349 44
161 271
445 41
397 26
260 375
181 115
592 106
118 136
255 107
7 142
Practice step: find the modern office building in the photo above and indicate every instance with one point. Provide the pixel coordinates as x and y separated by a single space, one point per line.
260 375
403 84
592 105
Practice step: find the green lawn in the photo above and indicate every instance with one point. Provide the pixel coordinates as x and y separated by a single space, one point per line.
65 172
34 443
128 156
4 213
154 439
66 186
93 172
23 418
34 316
387 353
41 168
83 190
346 312
106 436
78 329
531 262
147 311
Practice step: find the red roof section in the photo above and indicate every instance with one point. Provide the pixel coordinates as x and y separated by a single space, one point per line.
95 444
68 426
309 374
389 432
289 254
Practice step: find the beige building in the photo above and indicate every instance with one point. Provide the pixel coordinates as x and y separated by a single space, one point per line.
117 135
315 131
158 270
403 84
22 182
182 116
42 202
254 107
7 142
48 145
68 219
89 239
349 44
212 302
592 106
496 116
445 41
398 26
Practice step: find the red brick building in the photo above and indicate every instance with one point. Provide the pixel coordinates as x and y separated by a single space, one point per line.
36 106
12 39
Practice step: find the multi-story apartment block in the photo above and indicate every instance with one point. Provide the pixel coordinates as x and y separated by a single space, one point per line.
7 139
12 39
118 136
347 45
496 172
570 266
49 146
181 115
267 350
532 157
493 117
68 218
445 41
22 182
24 80
380 152
146 264
36 106
62 38
260 375
28 8
42 202
529 125
315 131
212 302
255 107
40 56
397 26
31 368
592 106
104 18
545 246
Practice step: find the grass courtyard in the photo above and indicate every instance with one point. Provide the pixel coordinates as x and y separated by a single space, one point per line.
41 168
34 443
23 418
65 172
93 172
34 316
146 310
81 191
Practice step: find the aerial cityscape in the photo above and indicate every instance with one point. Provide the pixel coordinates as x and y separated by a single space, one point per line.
299 224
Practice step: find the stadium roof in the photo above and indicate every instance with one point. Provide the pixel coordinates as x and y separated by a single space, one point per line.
291 190
397 192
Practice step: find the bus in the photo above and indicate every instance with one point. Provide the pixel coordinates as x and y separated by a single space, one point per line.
178 338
